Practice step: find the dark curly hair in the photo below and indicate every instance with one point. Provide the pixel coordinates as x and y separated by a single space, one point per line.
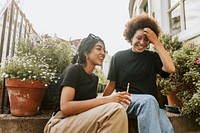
140 22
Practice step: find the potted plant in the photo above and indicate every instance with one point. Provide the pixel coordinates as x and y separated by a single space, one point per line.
185 81
164 86
57 55
33 63
27 79
189 70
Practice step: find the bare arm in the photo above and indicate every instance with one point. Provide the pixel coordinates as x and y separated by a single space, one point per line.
70 107
109 88
168 65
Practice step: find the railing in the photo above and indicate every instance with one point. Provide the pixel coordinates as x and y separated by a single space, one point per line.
14 26
3 5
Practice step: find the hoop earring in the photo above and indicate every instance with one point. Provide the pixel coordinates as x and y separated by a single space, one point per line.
87 57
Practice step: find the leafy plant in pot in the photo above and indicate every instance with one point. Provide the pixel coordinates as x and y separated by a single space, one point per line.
185 81
191 78
34 63
27 79
57 55
164 86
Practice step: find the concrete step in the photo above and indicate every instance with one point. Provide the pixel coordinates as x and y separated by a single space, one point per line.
35 124
181 124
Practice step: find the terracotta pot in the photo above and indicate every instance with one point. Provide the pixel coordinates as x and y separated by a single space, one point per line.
25 96
173 100
162 98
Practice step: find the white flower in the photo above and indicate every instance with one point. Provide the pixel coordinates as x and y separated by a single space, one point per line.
6 75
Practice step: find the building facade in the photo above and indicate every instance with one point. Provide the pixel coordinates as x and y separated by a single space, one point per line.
176 17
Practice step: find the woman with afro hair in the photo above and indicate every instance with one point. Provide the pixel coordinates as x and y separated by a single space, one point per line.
137 68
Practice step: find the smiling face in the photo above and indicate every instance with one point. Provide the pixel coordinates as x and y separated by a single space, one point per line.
139 41
96 55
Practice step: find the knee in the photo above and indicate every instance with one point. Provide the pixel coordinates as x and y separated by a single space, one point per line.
116 107
149 100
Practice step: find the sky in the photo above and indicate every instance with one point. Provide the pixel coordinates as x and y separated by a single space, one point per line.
75 19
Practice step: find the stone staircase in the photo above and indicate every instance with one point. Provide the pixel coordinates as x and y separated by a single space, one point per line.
35 124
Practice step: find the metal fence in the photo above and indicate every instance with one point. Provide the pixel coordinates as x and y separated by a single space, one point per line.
14 26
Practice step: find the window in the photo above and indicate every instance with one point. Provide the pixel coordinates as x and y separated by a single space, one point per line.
173 2
175 21
183 15
177 16
145 8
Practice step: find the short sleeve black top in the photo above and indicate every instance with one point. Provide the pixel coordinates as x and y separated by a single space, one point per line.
85 84
138 69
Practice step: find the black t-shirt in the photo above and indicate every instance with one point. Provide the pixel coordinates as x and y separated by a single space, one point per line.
85 84
138 69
